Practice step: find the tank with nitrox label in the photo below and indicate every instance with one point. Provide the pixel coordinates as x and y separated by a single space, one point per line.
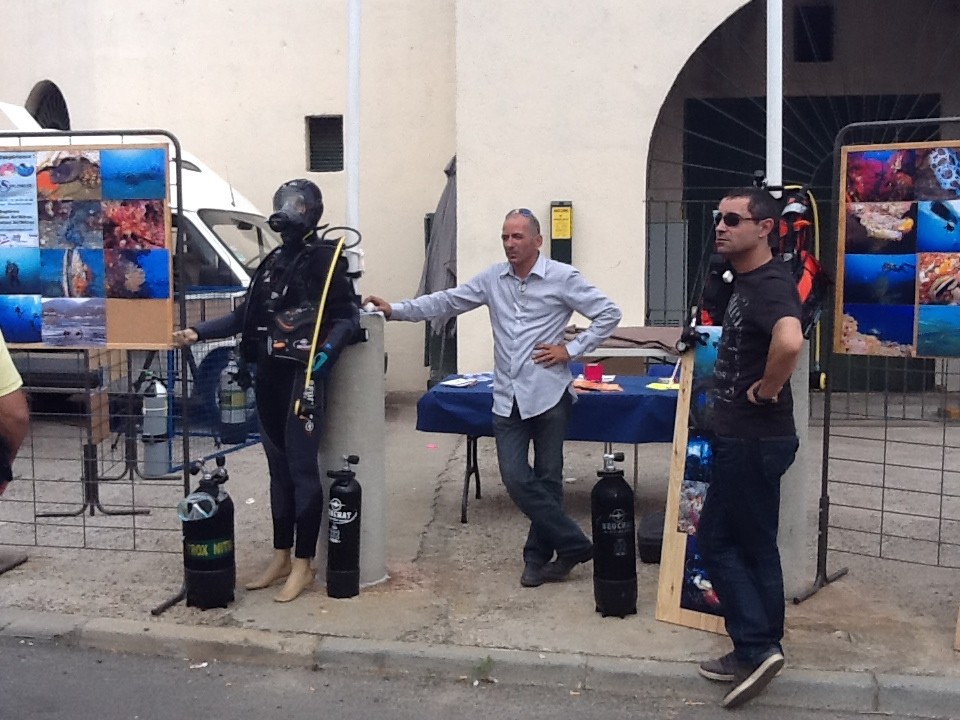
343 547
155 432
237 404
614 543
209 561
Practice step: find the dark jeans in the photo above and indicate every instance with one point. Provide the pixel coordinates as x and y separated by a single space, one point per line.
538 491
737 537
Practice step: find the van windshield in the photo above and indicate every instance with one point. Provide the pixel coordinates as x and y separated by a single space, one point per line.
247 236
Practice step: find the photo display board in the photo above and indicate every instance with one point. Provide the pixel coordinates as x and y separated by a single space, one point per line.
85 247
685 594
898 259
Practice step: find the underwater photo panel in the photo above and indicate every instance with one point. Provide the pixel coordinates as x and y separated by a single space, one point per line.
21 271
697 591
938 226
143 274
70 223
888 228
68 174
938 331
880 175
74 322
938 278
20 318
134 225
876 330
134 173
880 279
937 175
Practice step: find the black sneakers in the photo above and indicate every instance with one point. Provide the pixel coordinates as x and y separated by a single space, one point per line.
559 569
532 575
721 669
750 682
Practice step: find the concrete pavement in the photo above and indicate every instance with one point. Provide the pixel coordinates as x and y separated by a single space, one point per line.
878 640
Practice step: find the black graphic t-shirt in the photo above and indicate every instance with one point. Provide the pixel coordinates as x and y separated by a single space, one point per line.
760 298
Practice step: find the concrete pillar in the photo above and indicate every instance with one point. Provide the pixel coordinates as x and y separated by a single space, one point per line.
355 424
799 490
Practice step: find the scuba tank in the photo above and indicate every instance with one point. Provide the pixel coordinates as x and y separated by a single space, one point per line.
236 404
343 548
614 546
154 433
209 562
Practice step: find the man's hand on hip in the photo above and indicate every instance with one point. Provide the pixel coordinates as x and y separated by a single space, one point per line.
549 355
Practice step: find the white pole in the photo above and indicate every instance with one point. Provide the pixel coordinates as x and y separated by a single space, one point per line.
351 126
797 519
774 92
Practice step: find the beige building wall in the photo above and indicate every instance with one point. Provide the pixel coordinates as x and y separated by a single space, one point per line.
234 82
557 101
540 101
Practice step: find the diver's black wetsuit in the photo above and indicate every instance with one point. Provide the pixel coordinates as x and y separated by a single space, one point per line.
296 495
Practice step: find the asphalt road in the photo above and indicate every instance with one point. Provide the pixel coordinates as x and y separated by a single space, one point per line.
42 681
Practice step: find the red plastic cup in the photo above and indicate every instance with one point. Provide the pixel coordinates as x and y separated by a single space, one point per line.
593 372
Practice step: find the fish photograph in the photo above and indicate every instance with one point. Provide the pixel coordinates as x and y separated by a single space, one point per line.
697 591
134 225
72 273
938 279
68 175
20 318
880 279
137 274
69 322
937 175
70 224
938 331
880 175
880 228
21 271
938 226
134 173
871 329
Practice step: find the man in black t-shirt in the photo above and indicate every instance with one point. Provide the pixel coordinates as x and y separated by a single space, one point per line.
755 442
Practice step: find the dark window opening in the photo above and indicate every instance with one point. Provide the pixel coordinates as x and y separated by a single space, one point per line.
325 143
813 33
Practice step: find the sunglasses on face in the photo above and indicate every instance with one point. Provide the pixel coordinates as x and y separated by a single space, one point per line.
730 219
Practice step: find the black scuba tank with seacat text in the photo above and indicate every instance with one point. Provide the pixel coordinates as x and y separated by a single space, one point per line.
614 546
343 547
209 562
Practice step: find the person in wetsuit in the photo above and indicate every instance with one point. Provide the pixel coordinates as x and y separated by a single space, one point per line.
290 278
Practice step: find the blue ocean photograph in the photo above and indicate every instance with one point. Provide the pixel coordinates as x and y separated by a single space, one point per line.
20 318
74 322
938 331
137 274
886 323
134 173
938 226
881 279
21 271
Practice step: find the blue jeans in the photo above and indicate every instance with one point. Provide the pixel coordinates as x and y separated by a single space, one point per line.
737 537
538 491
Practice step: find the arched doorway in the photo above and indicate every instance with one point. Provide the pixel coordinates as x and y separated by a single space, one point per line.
48 106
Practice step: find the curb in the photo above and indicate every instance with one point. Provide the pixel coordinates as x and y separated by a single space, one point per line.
855 691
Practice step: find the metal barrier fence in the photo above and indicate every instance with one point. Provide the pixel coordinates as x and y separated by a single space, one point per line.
86 476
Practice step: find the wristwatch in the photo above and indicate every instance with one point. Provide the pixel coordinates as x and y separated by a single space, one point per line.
762 400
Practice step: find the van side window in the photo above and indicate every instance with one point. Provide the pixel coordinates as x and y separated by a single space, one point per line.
202 267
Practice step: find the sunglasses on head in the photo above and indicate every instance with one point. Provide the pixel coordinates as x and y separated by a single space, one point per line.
730 219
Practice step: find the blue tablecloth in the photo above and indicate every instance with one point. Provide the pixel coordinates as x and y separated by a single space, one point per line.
636 415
